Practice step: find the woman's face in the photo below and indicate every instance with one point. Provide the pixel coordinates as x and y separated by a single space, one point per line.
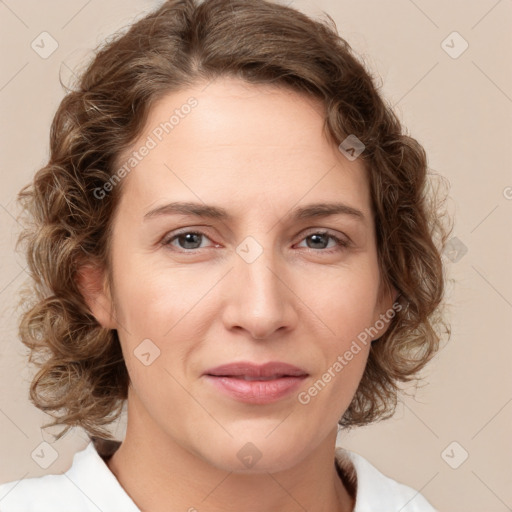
258 284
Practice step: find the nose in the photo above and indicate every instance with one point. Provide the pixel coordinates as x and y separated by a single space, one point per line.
260 297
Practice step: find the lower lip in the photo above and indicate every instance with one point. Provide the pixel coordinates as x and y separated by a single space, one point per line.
256 391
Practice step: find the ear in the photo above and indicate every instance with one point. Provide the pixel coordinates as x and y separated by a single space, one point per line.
92 283
384 311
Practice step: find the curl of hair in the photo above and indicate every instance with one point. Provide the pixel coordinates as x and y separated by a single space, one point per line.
82 378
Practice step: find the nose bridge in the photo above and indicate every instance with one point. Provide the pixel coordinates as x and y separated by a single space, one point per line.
260 300
259 277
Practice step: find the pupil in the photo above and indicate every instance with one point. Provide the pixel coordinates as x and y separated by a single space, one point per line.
316 237
187 238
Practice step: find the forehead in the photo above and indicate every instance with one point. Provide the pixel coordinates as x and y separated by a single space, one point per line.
229 142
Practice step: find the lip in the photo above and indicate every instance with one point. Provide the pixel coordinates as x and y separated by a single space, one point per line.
269 382
245 368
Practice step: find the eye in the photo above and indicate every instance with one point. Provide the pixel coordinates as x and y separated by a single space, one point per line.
320 241
187 240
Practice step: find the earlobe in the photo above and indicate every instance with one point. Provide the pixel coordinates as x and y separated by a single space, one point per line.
92 285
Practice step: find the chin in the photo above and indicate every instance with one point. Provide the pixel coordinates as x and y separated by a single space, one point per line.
246 454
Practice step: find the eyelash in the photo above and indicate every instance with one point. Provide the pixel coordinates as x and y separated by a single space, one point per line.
340 243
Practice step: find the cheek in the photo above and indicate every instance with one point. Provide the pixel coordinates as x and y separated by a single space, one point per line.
331 390
152 298
344 302
163 316
342 299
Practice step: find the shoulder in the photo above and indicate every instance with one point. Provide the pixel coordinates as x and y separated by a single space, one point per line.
86 487
375 491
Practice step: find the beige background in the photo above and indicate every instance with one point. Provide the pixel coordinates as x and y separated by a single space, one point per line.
458 108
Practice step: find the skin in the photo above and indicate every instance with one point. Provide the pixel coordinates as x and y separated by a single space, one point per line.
259 152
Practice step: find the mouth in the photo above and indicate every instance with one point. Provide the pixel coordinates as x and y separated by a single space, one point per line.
251 371
249 378
256 384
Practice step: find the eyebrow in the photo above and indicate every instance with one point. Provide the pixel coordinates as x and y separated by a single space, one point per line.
216 212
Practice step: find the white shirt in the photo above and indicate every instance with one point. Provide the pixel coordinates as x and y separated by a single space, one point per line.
90 486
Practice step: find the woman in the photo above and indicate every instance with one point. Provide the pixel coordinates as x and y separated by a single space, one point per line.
233 235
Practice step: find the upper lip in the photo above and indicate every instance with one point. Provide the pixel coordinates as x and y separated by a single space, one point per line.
243 368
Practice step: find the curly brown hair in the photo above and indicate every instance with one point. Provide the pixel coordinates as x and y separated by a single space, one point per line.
82 378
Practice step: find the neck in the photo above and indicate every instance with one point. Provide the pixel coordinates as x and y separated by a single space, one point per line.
156 471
